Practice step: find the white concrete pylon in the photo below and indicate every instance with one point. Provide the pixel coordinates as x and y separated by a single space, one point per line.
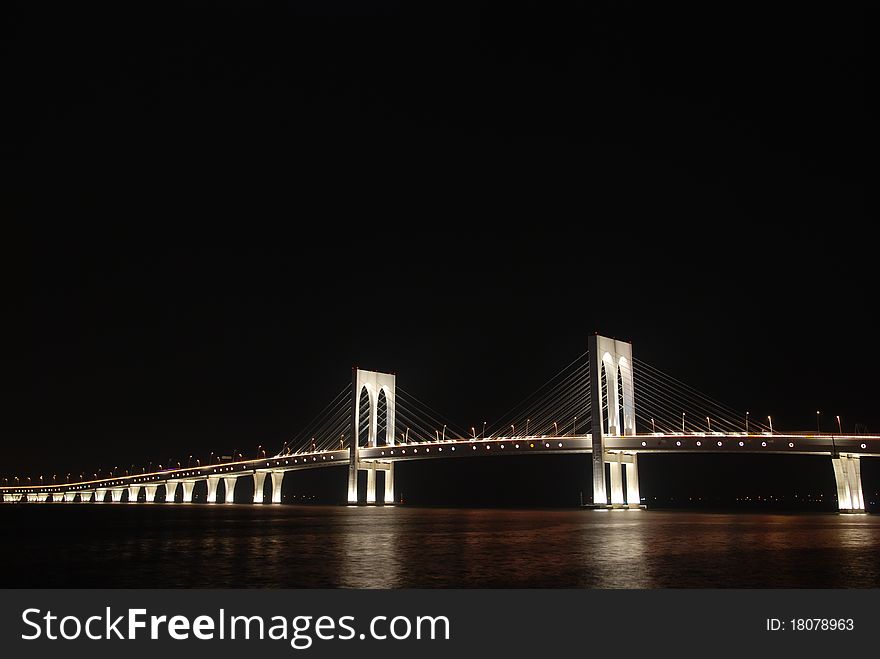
389 483
277 483
259 482
633 493
213 483
371 483
100 495
170 491
229 481
69 496
615 359
150 492
133 492
848 477
116 494
86 496
374 383
188 487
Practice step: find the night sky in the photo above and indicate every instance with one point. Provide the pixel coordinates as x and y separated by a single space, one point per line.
225 206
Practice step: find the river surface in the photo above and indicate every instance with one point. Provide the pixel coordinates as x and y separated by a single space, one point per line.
200 546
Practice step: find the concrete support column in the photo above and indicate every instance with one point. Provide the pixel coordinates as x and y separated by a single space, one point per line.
116 494
277 482
170 491
133 492
33 497
69 496
229 481
616 479
259 482
213 482
188 487
99 496
389 483
633 496
371 483
85 497
848 475
150 491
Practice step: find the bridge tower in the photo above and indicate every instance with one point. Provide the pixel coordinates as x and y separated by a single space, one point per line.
610 417
374 383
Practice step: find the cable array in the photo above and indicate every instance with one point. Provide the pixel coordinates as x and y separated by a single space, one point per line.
666 404
561 406
330 429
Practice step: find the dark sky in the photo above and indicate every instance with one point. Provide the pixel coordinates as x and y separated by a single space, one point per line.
227 205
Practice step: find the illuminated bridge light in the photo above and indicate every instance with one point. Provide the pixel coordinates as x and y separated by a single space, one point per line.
644 443
742 443
546 445
516 446
791 445
502 446
474 447
560 444
453 448
440 448
678 443
864 445
487 447
764 444
699 443
719 443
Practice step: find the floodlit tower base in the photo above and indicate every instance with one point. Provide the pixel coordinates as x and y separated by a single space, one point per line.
848 475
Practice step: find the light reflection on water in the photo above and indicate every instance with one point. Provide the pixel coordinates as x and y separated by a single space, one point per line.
402 547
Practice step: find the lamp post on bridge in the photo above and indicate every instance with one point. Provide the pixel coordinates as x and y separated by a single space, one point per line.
770 421
747 423
818 432
555 429
682 423
483 433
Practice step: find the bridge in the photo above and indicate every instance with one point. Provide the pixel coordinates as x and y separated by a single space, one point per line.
588 407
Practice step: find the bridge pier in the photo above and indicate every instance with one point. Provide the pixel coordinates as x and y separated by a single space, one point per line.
100 495
848 476
116 494
85 497
170 491
188 487
69 496
259 482
389 483
371 483
33 498
150 493
230 481
213 483
277 482
133 492
617 464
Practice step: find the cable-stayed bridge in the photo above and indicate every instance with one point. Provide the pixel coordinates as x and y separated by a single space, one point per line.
605 402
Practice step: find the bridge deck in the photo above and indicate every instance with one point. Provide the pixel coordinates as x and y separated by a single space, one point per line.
856 445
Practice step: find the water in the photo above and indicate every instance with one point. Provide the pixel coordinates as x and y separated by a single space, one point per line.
152 546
